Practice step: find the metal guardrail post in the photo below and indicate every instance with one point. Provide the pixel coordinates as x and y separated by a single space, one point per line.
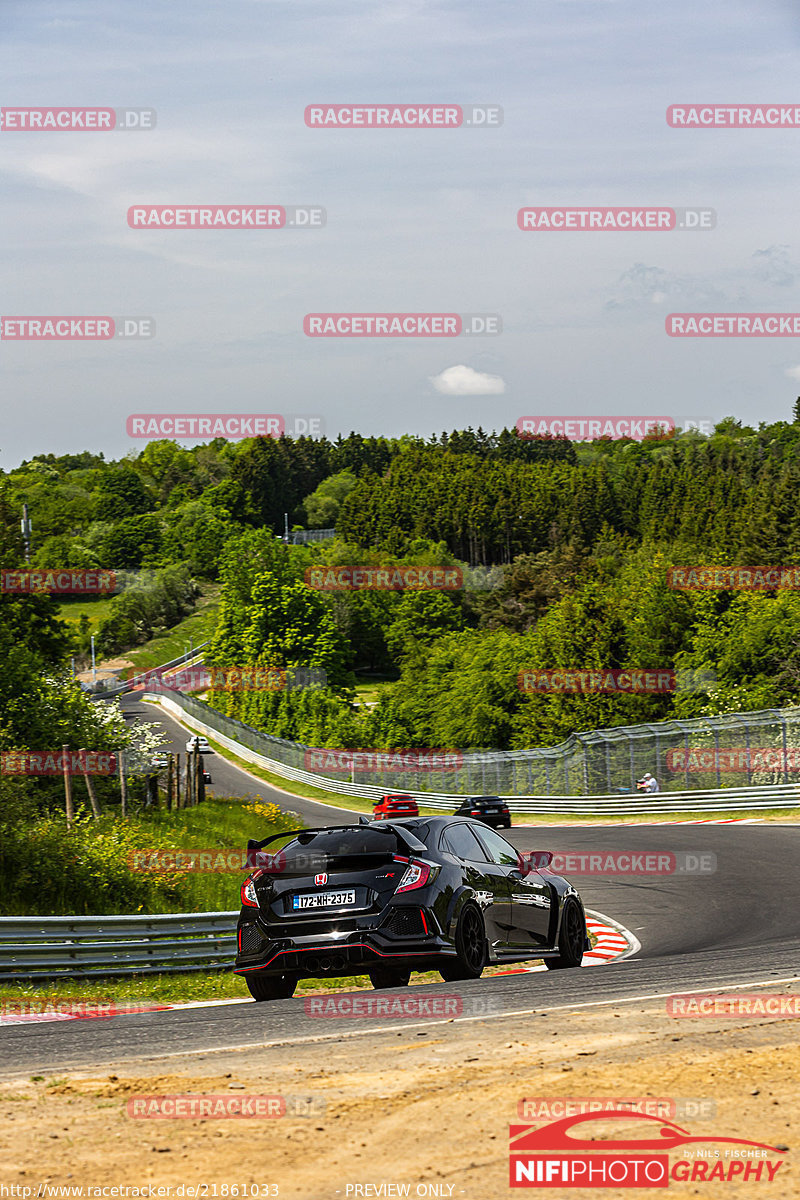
82 947
715 728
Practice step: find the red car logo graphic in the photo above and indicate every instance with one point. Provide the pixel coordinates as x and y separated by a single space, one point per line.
319 880
554 1136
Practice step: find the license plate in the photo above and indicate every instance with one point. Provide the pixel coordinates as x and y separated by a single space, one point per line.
324 899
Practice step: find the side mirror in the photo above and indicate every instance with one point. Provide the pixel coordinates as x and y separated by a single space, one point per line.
534 860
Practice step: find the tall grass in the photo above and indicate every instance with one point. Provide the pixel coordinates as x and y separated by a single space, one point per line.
47 870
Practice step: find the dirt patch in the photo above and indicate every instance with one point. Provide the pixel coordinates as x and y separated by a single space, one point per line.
428 1108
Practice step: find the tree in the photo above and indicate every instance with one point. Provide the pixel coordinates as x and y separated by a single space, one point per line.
419 619
121 493
132 542
322 506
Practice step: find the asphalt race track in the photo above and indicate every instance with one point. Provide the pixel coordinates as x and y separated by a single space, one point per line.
735 927
229 780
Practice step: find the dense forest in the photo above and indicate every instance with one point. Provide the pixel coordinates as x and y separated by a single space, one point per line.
564 548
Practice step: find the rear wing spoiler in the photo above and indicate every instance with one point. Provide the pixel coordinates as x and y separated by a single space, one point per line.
306 835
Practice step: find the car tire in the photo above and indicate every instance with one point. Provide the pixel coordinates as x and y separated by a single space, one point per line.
471 949
571 937
389 977
270 987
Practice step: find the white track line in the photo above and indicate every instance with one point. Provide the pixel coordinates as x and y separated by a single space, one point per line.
340 1036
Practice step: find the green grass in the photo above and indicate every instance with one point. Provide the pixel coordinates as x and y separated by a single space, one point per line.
198 627
183 988
71 611
369 688
99 872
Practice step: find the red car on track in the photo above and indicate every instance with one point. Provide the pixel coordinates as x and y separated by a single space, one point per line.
395 806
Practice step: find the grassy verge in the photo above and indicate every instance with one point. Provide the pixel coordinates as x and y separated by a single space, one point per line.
194 986
108 866
71 611
368 689
197 627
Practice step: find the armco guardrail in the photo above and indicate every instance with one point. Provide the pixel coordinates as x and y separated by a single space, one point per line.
702 754
753 799
86 947
127 684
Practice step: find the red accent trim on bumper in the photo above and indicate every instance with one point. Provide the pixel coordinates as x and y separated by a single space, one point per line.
328 946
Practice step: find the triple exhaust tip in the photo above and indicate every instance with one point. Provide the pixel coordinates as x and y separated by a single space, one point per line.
334 963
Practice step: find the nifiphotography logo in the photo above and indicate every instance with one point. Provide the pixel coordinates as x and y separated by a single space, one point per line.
551 1156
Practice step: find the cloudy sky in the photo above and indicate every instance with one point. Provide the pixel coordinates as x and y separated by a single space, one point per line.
417 220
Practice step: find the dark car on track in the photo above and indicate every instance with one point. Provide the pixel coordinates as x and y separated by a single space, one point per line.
396 805
489 809
390 897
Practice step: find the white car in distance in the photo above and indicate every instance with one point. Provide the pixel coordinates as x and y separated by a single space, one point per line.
200 742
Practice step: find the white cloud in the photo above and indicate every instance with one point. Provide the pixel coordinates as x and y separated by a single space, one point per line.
793 373
464 381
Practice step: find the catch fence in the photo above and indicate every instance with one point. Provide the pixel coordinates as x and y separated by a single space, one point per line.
754 749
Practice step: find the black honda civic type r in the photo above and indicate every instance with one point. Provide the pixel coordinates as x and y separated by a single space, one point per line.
388 897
